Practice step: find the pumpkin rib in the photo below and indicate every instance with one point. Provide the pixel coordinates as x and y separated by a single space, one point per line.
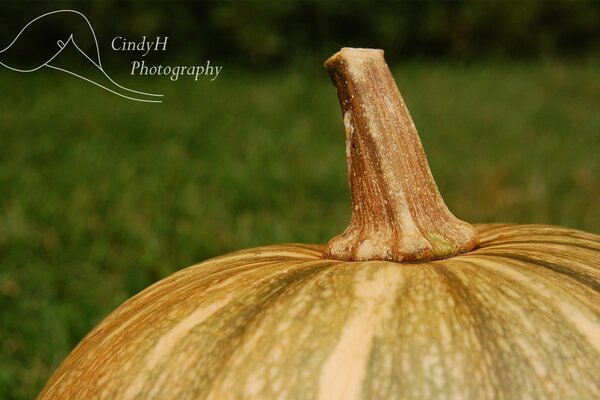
279 251
565 296
251 259
579 277
302 276
538 234
331 271
266 286
553 319
577 259
489 229
534 242
510 380
484 334
498 234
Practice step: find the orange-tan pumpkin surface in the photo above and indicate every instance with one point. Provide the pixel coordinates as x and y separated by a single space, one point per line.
408 303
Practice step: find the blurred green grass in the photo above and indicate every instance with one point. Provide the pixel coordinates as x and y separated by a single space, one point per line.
100 197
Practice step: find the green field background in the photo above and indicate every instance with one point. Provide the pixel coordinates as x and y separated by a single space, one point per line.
101 196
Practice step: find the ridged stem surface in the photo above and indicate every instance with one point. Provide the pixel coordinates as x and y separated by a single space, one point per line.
398 213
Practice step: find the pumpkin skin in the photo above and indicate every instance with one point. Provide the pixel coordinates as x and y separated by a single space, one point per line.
519 317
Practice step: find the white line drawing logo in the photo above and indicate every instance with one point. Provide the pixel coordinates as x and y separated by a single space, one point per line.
70 41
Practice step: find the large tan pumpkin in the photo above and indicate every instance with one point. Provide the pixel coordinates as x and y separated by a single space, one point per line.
499 311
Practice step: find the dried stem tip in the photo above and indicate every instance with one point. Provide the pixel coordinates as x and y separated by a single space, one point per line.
397 211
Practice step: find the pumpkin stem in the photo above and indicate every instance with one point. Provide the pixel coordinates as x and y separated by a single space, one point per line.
398 213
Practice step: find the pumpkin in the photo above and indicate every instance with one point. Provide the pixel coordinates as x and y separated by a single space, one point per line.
408 302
